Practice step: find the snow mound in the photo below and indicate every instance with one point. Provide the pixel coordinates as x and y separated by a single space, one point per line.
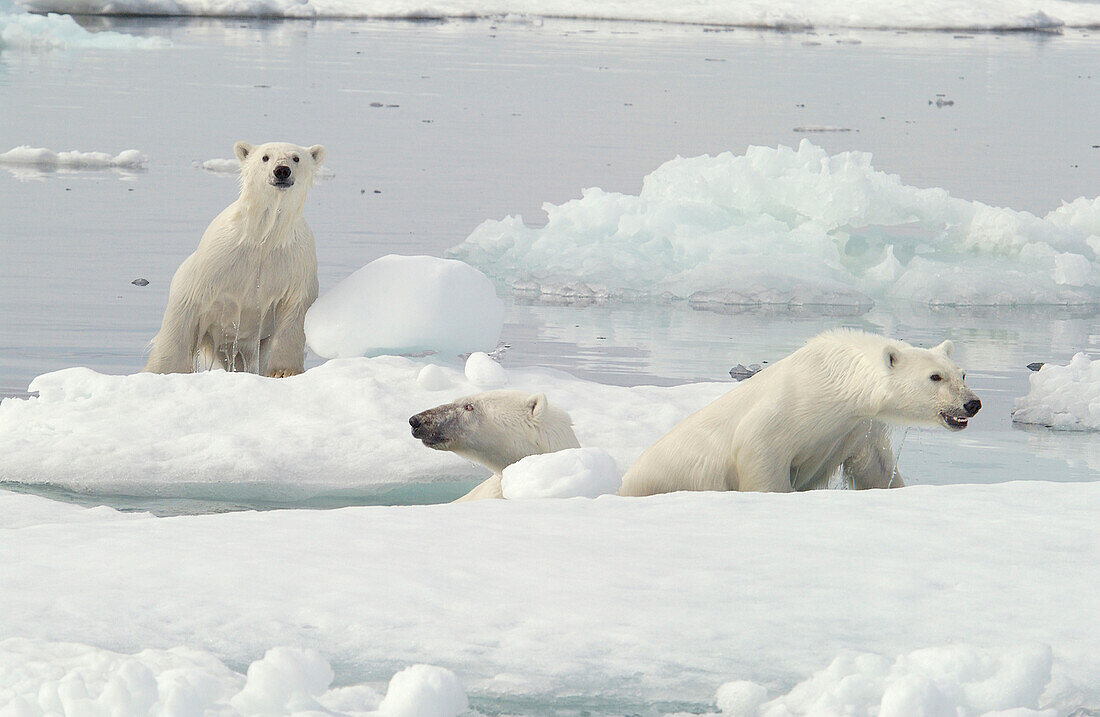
42 158
285 681
424 691
37 676
782 226
342 427
953 679
570 473
784 14
1063 397
404 305
26 30
482 371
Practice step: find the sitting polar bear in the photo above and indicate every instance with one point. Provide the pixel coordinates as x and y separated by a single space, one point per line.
828 405
495 429
240 300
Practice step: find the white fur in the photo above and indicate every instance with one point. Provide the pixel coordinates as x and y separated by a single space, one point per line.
495 429
240 300
791 426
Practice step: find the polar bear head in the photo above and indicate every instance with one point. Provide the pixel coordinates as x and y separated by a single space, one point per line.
277 166
926 387
495 428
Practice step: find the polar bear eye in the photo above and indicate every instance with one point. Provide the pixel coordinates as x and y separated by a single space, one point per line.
936 377
295 158
468 407
266 158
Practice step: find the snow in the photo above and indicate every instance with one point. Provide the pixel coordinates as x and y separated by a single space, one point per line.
785 14
39 676
485 373
571 473
25 30
424 691
1063 397
404 305
792 227
341 427
42 158
837 602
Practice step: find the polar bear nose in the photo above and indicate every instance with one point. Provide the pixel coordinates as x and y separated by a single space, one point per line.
282 172
972 407
415 421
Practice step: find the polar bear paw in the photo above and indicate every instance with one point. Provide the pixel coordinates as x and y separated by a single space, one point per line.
283 372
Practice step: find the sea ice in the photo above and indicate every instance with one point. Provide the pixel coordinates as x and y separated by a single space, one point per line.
405 305
1062 397
49 30
841 602
43 158
794 227
341 427
424 691
571 473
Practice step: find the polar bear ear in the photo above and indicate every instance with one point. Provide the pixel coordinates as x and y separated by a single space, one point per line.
318 153
946 348
242 150
890 356
536 403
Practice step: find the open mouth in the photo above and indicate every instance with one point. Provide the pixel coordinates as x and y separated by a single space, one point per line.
953 422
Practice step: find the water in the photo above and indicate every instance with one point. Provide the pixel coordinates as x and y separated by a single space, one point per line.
479 119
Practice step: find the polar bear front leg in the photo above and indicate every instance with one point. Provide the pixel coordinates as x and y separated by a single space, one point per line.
762 469
873 464
174 346
283 353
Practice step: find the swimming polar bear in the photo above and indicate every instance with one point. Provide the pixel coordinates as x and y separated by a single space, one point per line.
495 429
828 405
239 301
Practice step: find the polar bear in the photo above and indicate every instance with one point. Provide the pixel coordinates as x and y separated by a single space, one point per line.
239 302
495 429
828 405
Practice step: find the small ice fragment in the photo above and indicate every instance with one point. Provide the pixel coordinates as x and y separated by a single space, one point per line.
140 282
484 372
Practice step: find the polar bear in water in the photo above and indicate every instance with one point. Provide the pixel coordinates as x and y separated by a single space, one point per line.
239 302
495 429
828 405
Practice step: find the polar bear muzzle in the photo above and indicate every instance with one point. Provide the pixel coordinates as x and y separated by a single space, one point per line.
282 177
956 420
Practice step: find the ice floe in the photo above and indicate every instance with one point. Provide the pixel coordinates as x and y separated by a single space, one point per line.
1063 397
792 227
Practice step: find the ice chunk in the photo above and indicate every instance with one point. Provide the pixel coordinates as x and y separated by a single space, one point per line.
1062 397
782 226
404 305
571 473
424 691
484 372
433 378
740 698
43 158
286 680
26 30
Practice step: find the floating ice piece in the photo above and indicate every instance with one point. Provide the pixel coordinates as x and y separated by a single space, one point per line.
571 473
740 698
406 305
793 227
1062 397
424 691
784 14
26 30
285 681
42 158
484 372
